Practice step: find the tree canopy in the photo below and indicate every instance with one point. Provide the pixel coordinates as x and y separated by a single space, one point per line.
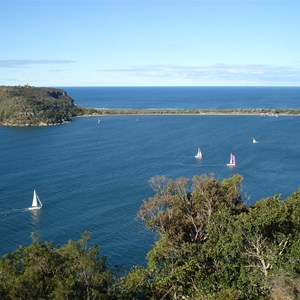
42 271
210 245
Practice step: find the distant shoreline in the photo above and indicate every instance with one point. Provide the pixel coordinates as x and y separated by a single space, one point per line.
192 112
23 106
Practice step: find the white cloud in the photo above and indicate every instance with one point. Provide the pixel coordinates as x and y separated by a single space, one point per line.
13 63
218 72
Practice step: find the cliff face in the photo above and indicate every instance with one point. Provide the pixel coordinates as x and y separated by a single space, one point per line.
35 106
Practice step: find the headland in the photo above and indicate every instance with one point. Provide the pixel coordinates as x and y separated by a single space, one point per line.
35 106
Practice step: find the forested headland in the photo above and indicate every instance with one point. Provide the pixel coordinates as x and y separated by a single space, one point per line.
36 106
209 245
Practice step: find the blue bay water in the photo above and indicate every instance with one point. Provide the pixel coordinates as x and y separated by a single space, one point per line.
94 176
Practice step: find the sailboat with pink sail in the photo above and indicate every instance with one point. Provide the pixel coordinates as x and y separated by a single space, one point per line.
232 161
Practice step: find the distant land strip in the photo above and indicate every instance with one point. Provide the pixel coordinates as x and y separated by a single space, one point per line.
258 112
43 106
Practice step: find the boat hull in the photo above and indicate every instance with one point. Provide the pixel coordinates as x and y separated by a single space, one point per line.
230 165
34 208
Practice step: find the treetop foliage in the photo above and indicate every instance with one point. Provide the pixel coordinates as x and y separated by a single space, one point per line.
210 245
42 271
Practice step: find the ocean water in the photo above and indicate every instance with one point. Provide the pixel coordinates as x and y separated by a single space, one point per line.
94 176
186 97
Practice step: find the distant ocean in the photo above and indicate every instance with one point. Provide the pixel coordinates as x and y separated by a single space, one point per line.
94 175
186 97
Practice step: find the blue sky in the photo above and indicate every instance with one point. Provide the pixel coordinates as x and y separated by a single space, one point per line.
150 43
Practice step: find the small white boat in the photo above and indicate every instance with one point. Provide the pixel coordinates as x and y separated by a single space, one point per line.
36 202
199 154
254 141
232 161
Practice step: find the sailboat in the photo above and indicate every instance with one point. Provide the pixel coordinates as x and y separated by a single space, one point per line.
36 202
254 141
232 161
199 154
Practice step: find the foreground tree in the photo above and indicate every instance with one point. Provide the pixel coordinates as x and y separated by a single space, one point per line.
211 246
41 271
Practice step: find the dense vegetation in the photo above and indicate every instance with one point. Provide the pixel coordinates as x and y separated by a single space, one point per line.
210 245
33 106
235 111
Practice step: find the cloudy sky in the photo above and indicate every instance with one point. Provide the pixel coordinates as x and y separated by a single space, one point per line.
150 42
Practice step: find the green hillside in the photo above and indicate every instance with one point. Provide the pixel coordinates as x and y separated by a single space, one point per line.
35 106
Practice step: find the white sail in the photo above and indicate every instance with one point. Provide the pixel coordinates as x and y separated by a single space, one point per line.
36 202
199 154
34 199
254 141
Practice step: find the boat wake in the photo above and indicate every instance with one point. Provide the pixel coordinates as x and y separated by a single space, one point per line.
6 213
205 165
